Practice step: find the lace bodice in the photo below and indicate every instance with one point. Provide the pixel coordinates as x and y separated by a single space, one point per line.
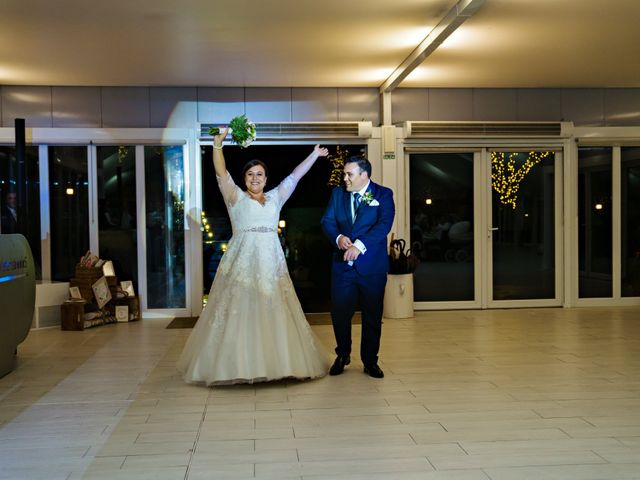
247 214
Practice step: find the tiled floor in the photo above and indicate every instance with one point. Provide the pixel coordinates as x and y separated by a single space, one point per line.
506 394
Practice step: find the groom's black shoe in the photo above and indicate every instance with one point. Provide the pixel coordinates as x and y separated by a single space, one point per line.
338 366
373 370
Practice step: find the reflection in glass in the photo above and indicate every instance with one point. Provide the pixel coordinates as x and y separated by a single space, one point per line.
20 198
441 212
164 187
523 212
68 187
594 222
307 250
630 157
117 209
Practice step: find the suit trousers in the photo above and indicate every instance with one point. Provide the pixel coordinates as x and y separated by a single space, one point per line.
348 288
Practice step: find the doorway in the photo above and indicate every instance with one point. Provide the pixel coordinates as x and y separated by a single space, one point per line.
486 224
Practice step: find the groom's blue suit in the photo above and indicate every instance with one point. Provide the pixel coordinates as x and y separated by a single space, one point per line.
366 278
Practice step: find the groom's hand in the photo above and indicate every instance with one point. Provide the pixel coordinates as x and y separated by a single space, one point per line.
344 242
351 254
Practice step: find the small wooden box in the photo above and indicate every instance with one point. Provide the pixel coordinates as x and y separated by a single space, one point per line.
132 302
72 315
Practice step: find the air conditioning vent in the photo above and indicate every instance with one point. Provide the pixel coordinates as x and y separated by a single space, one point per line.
482 129
291 130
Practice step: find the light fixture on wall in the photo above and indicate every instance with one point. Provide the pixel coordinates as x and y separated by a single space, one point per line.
428 201
69 191
282 224
598 206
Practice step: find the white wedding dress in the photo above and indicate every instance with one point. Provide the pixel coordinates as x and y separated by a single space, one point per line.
253 328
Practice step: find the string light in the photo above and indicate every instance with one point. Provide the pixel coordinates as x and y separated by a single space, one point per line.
122 153
505 179
337 167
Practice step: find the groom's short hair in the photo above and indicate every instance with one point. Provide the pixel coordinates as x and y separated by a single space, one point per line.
363 163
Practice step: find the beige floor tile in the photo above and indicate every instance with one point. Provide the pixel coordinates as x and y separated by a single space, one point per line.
115 448
336 441
444 462
378 451
144 473
212 472
156 461
433 475
546 445
619 455
225 457
245 434
496 394
343 467
162 437
489 435
567 472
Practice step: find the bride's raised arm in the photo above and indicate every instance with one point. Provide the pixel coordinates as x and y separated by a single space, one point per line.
219 164
304 166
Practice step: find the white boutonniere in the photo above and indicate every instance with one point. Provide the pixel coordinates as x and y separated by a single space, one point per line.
367 198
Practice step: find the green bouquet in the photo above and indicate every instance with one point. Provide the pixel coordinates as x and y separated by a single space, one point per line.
243 131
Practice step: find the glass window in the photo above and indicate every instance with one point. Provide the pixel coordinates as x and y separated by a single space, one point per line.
20 198
630 157
117 209
68 187
523 222
594 222
165 195
441 212
307 250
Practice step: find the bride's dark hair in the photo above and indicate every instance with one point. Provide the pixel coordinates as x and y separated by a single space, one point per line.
253 163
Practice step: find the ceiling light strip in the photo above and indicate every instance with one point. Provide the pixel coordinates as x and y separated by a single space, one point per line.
460 12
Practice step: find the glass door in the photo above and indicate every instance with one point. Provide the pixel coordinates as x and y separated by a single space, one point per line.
486 225
165 271
442 219
117 225
524 229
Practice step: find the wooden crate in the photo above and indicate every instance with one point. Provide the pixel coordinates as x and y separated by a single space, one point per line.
72 315
132 302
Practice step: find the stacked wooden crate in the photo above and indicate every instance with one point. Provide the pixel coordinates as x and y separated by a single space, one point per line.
78 315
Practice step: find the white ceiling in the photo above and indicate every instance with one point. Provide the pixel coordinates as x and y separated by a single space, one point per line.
307 43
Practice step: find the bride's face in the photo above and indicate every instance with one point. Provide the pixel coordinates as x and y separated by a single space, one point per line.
255 179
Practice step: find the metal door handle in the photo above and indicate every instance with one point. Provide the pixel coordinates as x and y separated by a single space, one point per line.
493 229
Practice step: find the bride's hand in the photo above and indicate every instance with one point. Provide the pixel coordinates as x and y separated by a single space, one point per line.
321 151
218 139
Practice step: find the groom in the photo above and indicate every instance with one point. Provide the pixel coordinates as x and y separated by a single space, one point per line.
357 222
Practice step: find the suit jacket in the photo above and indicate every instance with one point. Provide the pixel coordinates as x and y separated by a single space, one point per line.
371 226
9 224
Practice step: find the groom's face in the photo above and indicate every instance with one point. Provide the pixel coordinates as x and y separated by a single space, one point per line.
354 177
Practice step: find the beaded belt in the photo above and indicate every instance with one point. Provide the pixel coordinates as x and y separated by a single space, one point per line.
259 229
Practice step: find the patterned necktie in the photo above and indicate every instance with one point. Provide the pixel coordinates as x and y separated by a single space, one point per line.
356 204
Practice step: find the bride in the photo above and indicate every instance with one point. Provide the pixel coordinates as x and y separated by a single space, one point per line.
253 328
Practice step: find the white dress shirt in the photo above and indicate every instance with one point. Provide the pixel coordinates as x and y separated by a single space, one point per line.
358 244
